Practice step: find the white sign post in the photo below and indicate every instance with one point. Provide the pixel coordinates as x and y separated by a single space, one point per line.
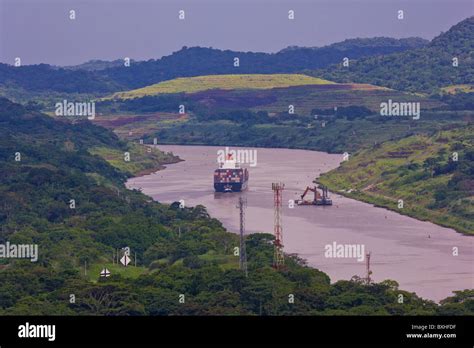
125 260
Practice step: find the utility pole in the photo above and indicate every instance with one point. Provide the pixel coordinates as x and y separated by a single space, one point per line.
243 252
278 257
369 272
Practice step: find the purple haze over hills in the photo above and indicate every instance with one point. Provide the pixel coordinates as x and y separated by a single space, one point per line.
40 31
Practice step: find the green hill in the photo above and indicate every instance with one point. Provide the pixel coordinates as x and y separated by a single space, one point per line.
425 69
423 171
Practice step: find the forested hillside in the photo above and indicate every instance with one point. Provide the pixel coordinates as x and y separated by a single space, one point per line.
180 251
425 69
195 61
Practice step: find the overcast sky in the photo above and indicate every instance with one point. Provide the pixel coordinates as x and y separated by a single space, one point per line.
40 31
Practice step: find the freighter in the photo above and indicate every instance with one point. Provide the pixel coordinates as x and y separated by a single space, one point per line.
229 177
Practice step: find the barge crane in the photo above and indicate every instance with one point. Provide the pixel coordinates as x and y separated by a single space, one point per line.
319 199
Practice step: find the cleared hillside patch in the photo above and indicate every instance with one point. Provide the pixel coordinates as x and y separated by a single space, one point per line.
224 82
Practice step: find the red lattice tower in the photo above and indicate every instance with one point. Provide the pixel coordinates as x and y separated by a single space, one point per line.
278 257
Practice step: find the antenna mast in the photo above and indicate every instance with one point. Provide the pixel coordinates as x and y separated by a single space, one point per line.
243 252
369 272
278 257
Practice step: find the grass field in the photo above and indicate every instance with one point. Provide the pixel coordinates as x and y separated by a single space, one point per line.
93 272
224 82
224 261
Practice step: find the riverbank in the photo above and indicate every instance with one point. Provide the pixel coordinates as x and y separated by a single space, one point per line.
136 160
415 176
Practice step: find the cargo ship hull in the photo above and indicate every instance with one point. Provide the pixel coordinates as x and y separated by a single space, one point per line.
230 187
230 179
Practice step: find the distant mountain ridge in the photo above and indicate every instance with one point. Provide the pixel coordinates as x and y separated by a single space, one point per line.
102 77
382 43
95 65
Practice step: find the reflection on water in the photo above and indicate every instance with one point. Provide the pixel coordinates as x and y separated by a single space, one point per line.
229 195
418 255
